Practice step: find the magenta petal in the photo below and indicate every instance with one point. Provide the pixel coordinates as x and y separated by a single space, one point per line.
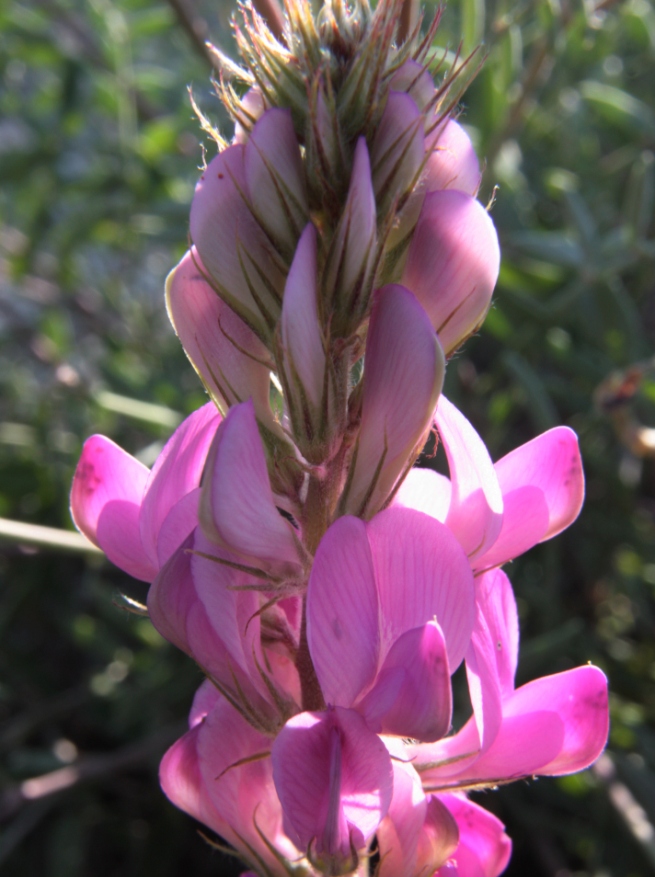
412 695
403 377
425 490
551 462
237 507
233 247
453 163
204 701
177 525
334 780
476 509
484 849
452 264
228 356
414 79
106 498
342 613
176 473
421 573
275 178
579 698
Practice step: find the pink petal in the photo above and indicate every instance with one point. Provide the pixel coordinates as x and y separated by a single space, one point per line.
300 328
275 179
403 377
106 498
227 355
181 782
484 849
412 696
236 770
398 148
347 273
176 473
204 701
453 163
342 613
251 108
233 247
452 264
177 525
425 490
415 80
421 573
551 462
237 507
440 836
399 832
334 780
476 508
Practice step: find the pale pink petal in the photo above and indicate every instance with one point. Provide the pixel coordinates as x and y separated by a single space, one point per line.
250 109
484 849
525 519
237 508
347 273
412 695
425 490
181 520
176 473
399 832
342 613
453 163
234 249
403 377
452 264
236 770
440 835
334 779
551 462
300 328
476 509
421 573
275 179
492 654
106 498
181 782
414 79
204 701
398 148
228 356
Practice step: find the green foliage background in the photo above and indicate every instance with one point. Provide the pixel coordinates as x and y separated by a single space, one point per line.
99 153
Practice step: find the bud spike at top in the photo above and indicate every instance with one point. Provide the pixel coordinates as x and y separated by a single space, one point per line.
326 586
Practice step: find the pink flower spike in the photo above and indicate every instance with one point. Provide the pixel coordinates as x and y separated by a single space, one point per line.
233 247
475 515
228 356
300 328
452 264
334 780
237 508
403 377
275 179
453 163
412 695
106 498
484 849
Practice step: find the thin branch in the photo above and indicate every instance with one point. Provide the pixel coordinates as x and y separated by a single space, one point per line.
45 537
195 28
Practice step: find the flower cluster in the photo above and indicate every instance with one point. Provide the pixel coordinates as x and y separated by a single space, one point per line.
328 588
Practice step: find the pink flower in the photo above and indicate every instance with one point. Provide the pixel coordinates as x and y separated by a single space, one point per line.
140 517
499 511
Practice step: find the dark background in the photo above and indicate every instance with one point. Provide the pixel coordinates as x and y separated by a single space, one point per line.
99 153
